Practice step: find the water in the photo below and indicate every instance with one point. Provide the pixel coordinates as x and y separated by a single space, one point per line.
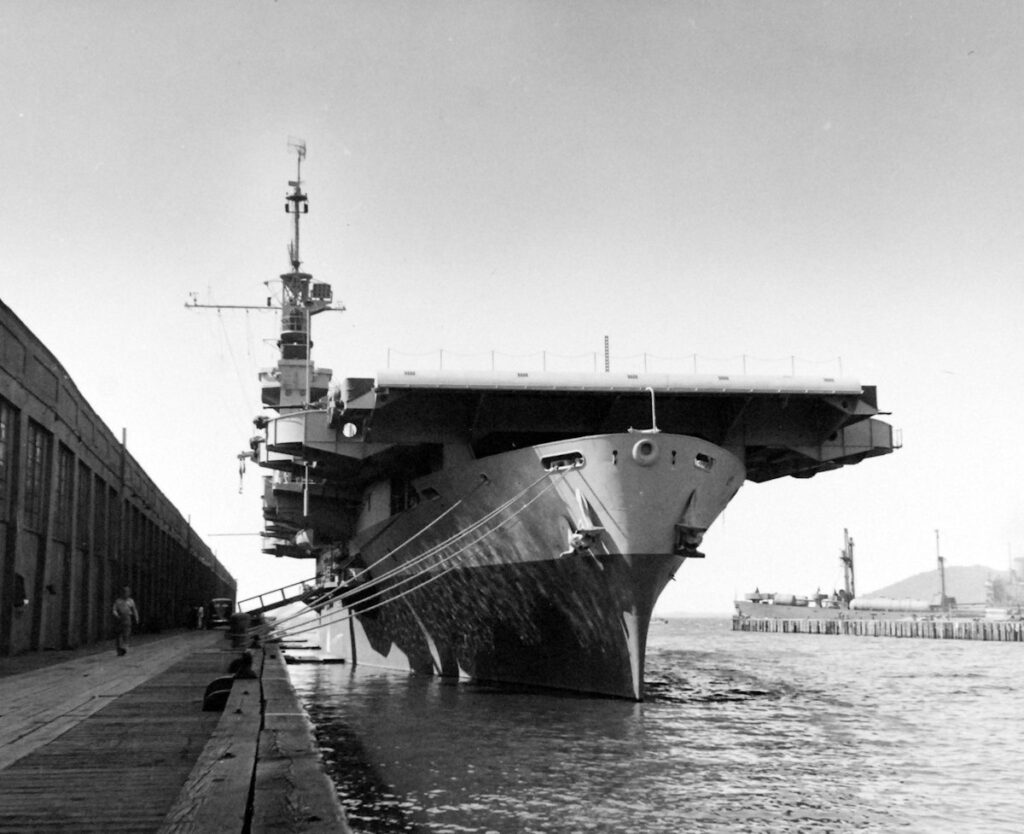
740 732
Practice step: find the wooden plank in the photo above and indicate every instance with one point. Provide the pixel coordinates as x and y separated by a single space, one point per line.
38 707
124 755
216 794
292 792
119 768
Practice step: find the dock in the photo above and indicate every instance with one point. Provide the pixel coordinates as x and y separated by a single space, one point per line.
99 743
984 630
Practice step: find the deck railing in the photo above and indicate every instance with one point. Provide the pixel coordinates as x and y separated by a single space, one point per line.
277 597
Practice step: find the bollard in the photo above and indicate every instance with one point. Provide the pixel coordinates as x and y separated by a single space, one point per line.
238 628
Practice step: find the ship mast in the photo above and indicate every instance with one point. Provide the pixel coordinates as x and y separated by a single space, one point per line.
295 343
301 297
294 384
297 203
846 557
943 599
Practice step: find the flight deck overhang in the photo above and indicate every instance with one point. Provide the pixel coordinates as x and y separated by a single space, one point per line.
667 383
783 425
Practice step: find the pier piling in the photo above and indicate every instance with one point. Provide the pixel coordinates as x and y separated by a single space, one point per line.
986 630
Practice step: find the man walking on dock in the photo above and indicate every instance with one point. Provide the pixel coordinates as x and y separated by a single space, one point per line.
125 612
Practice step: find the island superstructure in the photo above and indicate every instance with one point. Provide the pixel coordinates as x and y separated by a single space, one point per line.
518 527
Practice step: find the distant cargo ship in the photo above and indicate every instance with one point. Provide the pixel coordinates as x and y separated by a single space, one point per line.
518 527
1002 602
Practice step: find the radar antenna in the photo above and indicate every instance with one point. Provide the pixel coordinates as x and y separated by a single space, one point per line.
296 204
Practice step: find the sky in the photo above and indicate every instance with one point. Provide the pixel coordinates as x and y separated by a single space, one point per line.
819 186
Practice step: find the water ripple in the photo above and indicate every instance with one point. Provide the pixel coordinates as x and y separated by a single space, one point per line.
740 732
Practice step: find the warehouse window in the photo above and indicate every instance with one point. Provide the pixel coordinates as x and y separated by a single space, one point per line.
36 481
6 444
65 491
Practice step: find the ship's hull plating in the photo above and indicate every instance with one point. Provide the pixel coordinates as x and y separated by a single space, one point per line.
521 574
760 611
578 624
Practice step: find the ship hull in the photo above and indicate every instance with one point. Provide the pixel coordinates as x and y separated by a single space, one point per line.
759 611
534 579
578 625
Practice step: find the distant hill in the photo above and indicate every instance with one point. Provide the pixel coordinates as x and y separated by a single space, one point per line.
966 584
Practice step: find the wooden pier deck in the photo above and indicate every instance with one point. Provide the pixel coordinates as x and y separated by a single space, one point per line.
100 743
984 630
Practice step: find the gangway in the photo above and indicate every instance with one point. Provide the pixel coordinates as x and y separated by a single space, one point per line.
306 592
